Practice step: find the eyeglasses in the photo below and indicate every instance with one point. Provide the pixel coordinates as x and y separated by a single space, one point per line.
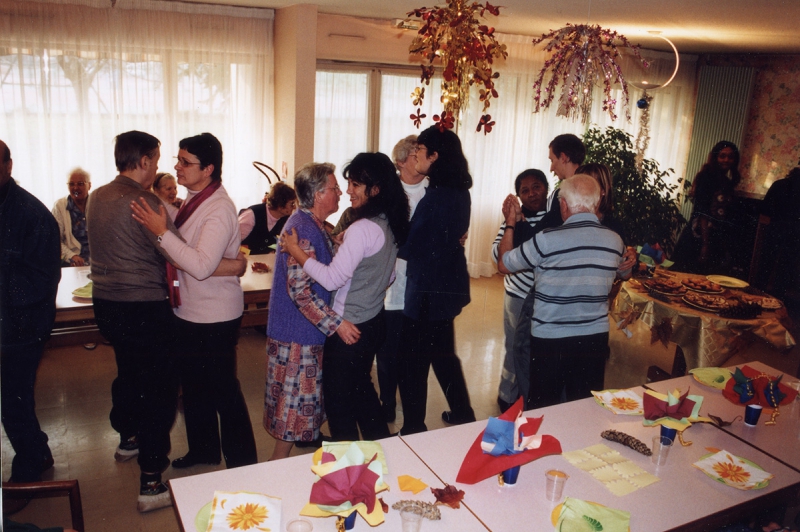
334 187
419 147
183 163
77 184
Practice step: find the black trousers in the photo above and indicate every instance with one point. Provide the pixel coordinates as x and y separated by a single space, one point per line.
566 369
426 344
18 365
144 394
386 358
351 401
207 369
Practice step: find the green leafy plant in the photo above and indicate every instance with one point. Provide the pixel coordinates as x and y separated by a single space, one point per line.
645 204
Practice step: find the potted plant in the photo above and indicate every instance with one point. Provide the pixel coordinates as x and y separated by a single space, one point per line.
644 203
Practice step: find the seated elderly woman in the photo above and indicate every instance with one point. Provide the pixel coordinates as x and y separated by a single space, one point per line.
166 188
261 224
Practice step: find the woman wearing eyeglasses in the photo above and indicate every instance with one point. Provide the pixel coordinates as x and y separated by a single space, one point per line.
437 286
208 307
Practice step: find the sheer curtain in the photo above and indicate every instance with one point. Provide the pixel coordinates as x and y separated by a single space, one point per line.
74 74
520 138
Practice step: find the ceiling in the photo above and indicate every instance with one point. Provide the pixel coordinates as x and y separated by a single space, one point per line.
695 26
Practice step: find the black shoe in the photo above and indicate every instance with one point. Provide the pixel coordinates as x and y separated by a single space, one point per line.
452 419
389 413
189 461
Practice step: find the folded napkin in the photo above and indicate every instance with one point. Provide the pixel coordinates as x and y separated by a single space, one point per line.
84 291
346 483
240 510
751 387
714 377
409 483
733 471
584 516
673 410
507 441
625 402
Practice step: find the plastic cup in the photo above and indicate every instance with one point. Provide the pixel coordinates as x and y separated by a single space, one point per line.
299 525
751 415
510 476
350 521
411 521
667 432
661 447
554 486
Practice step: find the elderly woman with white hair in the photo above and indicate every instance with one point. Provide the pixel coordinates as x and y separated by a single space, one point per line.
300 318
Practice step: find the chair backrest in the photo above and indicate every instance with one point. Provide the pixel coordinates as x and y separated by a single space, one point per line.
49 488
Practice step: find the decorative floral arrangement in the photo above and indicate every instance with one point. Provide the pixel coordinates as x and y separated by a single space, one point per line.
582 56
453 37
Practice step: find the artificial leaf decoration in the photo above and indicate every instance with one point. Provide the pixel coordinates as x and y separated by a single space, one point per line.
661 332
629 317
417 118
384 506
452 38
486 123
581 57
626 440
718 421
446 121
449 495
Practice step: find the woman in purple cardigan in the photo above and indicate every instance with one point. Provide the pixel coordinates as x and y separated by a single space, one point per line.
300 318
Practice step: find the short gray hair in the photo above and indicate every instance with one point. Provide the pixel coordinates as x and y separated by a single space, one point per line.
581 192
403 149
310 179
80 172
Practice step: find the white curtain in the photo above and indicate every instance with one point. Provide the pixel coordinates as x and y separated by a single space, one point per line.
520 138
74 74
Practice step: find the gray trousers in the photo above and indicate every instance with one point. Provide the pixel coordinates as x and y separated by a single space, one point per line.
515 378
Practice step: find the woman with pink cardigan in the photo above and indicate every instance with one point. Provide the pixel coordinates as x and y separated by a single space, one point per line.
208 307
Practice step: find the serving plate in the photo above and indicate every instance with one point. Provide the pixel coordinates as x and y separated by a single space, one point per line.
728 282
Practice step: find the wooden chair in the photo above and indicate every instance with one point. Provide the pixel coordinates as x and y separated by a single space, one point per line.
755 259
50 488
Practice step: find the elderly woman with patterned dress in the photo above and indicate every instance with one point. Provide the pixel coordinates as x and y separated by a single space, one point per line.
360 272
300 318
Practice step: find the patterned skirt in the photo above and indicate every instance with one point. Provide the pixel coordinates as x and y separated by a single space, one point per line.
293 406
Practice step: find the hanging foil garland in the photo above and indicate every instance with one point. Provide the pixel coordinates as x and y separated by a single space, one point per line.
453 38
581 57
643 137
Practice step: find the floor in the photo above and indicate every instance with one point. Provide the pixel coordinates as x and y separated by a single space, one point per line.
73 402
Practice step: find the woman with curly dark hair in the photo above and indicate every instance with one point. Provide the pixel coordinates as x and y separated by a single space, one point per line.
361 271
707 242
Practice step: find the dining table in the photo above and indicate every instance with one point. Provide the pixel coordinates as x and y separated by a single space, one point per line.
781 441
75 324
679 497
702 336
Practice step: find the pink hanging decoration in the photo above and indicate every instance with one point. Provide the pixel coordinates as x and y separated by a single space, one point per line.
582 56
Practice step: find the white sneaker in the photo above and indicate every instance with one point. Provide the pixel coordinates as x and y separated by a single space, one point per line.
152 496
127 449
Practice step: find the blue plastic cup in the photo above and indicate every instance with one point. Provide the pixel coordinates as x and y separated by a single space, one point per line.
510 475
350 521
751 415
667 432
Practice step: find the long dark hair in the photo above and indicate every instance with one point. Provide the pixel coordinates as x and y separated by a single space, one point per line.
713 166
450 169
377 170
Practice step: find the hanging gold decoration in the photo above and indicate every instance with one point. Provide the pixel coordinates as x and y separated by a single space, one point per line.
581 57
453 38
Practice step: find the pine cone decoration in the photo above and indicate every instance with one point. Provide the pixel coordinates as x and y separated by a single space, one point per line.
425 509
627 440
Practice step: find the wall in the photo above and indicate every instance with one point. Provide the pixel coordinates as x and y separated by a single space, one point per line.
771 145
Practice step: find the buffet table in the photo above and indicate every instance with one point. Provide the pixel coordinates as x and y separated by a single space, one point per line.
705 338
75 316
683 499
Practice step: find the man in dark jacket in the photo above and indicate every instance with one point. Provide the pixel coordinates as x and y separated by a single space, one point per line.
30 270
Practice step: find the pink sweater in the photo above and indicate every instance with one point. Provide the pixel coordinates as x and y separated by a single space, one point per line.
211 233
